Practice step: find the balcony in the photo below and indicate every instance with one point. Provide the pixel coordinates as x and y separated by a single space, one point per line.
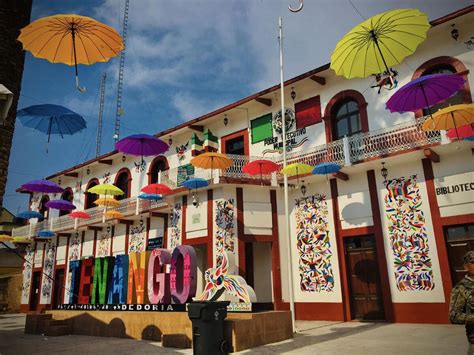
347 151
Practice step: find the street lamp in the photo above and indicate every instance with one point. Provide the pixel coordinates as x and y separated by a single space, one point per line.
384 172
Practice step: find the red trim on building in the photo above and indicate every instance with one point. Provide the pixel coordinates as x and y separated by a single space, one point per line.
435 313
355 232
129 180
251 238
94 246
244 133
276 269
127 238
379 245
457 65
147 233
345 94
319 311
198 241
41 307
157 159
438 232
165 231
240 230
184 201
112 235
210 228
82 243
453 220
53 285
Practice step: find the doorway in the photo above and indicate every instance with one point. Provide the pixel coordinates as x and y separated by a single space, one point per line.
459 240
58 288
364 278
34 291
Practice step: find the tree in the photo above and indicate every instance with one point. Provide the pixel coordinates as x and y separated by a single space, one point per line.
14 15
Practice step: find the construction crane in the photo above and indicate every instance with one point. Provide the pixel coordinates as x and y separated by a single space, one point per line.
101 115
119 110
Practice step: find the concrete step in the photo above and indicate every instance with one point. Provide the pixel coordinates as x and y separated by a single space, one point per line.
57 330
34 322
180 341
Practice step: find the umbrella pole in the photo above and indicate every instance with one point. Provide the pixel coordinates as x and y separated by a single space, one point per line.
374 37
426 101
455 127
81 89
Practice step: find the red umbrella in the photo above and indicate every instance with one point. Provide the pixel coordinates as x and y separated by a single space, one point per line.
261 167
462 132
157 189
79 214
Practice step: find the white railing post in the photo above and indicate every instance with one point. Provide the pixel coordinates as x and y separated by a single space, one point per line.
159 177
274 181
346 151
137 211
75 223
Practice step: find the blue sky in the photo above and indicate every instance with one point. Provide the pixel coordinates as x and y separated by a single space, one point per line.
184 58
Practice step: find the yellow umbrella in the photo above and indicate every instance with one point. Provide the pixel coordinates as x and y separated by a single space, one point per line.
71 39
450 117
106 189
114 214
379 43
5 238
297 169
21 240
109 203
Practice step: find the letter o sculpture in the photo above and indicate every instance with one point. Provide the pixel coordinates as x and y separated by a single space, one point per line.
183 274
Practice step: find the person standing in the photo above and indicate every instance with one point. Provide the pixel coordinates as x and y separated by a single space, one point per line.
461 308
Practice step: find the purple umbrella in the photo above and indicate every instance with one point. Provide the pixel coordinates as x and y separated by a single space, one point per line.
60 205
141 144
424 92
43 186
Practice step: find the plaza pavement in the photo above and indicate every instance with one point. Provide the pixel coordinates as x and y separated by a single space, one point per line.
314 337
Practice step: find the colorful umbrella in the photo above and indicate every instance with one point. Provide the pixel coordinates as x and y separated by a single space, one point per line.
106 189
379 43
297 169
5 238
424 92
43 186
450 117
195 183
72 40
62 205
51 119
46 234
79 214
261 167
211 161
22 240
141 145
150 197
107 202
465 132
29 214
114 214
157 189
326 168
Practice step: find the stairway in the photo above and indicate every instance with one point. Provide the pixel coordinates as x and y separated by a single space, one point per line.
44 324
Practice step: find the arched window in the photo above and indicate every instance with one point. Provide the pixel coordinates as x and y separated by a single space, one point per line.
445 65
453 100
90 198
158 164
43 209
346 119
345 115
68 196
123 180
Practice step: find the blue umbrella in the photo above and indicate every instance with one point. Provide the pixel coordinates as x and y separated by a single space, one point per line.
195 183
326 168
29 214
51 119
46 234
151 197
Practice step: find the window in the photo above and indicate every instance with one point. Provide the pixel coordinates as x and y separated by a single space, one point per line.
90 198
159 164
453 100
346 119
43 209
235 146
261 128
121 181
308 112
68 196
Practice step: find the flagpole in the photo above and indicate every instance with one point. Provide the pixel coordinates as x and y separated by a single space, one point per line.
285 179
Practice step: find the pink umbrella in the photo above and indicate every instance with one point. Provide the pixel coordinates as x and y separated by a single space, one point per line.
465 132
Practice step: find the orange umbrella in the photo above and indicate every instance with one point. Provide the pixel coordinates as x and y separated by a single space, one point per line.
103 201
114 214
212 161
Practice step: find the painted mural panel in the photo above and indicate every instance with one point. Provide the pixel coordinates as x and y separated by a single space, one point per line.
74 254
225 235
48 273
103 242
407 233
27 271
314 247
137 237
175 226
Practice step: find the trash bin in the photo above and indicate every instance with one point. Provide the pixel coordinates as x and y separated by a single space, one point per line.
208 327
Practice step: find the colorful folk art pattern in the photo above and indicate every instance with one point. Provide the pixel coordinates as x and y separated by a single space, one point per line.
175 226
314 247
103 239
48 272
137 237
75 247
28 267
407 233
225 226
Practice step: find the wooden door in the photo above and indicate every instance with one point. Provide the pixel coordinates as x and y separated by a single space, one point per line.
364 279
35 291
58 288
459 240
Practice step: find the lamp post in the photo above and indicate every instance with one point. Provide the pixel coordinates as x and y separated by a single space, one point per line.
285 179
